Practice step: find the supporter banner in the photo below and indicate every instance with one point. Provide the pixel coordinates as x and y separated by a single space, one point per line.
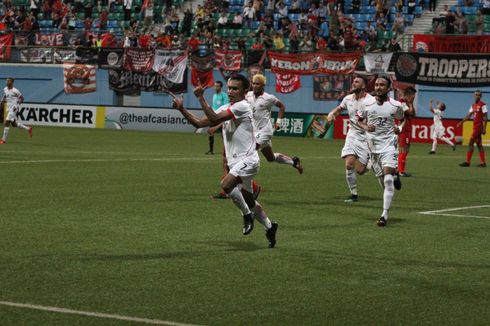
110 58
171 65
36 55
55 39
124 81
61 55
138 60
79 78
228 60
450 70
5 43
87 55
421 129
303 125
314 63
131 118
37 114
330 88
451 43
377 62
287 83
202 70
21 40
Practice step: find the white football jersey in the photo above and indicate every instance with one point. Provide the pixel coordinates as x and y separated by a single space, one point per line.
383 118
238 133
437 119
12 97
352 105
262 106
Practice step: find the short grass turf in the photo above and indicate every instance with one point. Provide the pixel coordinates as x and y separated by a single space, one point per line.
121 222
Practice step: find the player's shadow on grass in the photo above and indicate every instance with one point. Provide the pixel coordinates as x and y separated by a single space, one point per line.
225 245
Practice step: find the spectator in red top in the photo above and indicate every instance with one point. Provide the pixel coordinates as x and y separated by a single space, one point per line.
257 45
104 16
479 112
144 40
193 43
321 44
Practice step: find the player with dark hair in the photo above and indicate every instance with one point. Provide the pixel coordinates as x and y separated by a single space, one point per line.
377 117
438 129
405 136
355 151
240 148
219 98
13 97
480 116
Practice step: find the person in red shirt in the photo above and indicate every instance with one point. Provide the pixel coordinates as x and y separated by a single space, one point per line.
480 116
193 43
405 136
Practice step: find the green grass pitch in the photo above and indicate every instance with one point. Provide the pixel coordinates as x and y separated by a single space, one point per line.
121 222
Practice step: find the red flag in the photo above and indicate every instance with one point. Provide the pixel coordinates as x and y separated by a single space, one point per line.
79 78
203 78
287 83
228 60
202 70
5 43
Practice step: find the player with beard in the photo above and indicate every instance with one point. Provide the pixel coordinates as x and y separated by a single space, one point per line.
355 151
377 117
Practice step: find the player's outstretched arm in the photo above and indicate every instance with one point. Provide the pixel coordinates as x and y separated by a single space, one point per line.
280 114
334 114
178 103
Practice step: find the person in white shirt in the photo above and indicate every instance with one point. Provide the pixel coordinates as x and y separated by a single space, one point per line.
13 97
240 148
438 129
355 152
262 103
377 117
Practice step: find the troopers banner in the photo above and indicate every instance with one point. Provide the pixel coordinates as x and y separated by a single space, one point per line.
452 70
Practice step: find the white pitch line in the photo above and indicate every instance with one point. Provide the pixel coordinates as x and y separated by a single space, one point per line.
441 212
109 160
92 314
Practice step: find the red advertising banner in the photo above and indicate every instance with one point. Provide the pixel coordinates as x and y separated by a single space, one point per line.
287 83
452 44
421 129
138 60
5 43
314 63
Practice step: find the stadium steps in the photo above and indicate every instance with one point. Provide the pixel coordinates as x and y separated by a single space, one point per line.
423 24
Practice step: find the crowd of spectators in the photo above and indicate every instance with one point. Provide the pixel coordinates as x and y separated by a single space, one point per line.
293 26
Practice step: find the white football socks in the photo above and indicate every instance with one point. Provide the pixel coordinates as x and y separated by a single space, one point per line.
237 198
5 133
261 216
388 194
351 178
283 159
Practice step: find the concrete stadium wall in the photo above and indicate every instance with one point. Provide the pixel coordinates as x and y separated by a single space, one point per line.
44 84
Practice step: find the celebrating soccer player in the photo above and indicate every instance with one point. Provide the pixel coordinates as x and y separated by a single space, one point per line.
377 117
240 148
355 152
14 98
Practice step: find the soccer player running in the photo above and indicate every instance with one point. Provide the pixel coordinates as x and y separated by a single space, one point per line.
377 117
240 148
262 103
480 116
355 152
405 136
438 129
13 97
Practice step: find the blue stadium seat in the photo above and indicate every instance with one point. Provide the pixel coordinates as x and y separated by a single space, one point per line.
409 20
418 11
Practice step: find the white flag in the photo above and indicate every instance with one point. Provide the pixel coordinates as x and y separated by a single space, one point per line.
377 62
170 64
